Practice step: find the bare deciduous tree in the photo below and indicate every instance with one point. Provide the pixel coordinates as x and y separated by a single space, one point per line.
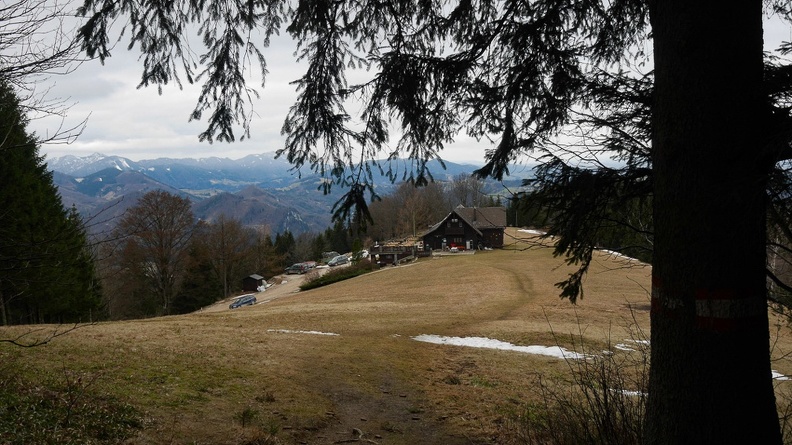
229 244
37 41
408 210
467 190
37 38
156 233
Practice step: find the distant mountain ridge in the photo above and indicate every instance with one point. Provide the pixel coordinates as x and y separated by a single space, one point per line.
214 172
183 173
256 189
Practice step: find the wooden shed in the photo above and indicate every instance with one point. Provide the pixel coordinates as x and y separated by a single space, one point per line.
252 283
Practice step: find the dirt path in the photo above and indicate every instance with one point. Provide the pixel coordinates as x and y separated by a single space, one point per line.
398 414
286 285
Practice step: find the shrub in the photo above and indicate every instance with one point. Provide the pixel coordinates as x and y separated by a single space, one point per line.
246 417
603 402
61 410
337 274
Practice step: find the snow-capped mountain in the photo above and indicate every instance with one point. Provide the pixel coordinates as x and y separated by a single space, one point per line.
206 176
256 189
86 165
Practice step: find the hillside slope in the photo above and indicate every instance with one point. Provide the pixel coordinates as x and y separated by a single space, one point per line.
321 366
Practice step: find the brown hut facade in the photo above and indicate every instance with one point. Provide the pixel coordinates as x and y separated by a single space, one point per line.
252 283
468 228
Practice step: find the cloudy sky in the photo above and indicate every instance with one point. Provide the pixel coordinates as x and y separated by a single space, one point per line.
141 124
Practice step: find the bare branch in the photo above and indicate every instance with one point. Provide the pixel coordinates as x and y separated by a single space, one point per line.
31 339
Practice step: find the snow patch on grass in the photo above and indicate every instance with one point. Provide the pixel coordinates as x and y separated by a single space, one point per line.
488 343
289 331
532 232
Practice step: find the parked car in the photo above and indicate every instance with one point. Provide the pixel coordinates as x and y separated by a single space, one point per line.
244 300
297 268
337 261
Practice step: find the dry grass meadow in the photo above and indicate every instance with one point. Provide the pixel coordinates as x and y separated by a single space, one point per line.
253 375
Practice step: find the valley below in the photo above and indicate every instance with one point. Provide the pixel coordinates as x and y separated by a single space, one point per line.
258 190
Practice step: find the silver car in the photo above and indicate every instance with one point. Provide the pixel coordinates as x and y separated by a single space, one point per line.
337 261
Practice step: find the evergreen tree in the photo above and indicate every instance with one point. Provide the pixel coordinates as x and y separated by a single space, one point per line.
264 260
46 267
284 248
319 246
202 285
338 237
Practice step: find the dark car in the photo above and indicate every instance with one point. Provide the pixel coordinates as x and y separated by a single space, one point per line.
297 268
244 300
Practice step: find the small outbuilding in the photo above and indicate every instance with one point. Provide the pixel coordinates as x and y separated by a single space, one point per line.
394 252
252 283
468 228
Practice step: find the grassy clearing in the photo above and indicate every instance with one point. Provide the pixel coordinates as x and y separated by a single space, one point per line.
253 375
60 407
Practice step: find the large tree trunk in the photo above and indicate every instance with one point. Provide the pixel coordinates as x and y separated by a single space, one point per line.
710 380
3 317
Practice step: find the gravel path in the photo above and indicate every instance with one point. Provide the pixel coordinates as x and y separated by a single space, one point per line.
287 285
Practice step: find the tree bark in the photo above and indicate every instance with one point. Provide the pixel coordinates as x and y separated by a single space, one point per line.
710 380
3 316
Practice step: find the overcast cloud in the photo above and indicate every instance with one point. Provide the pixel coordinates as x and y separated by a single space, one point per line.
141 124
